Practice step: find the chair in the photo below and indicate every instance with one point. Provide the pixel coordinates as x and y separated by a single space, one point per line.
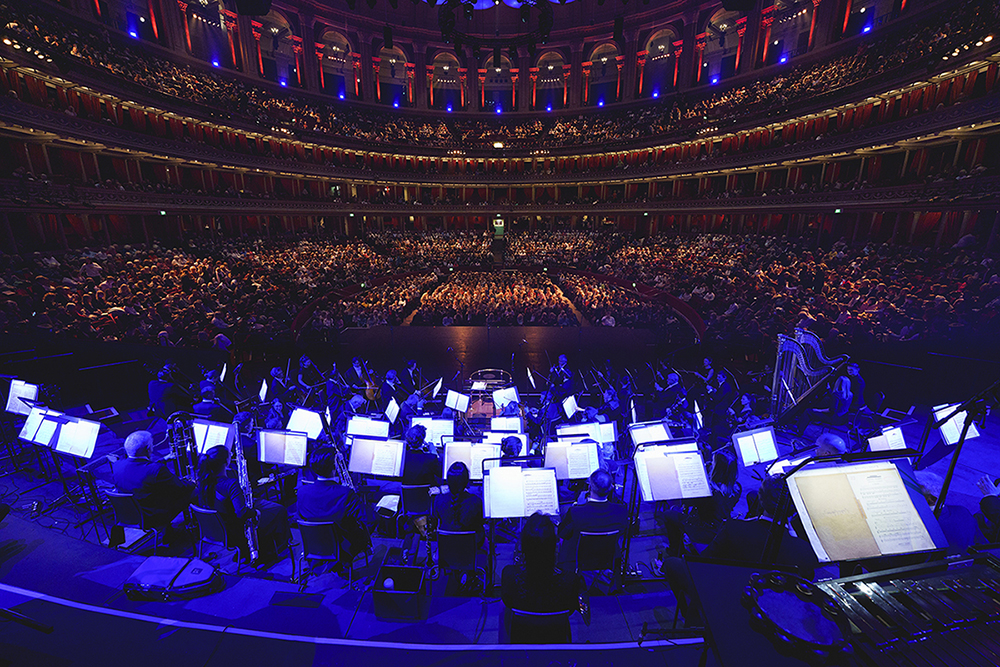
321 541
128 514
457 553
213 530
540 627
599 552
414 502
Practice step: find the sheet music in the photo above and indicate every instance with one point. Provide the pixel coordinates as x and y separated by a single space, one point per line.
455 452
386 456
539 487
78 438
217 436
305 421
392 410
570 407
581 460
894 522
262 394
511 424
501 397
878 443
480 452
951 430
364 426
646 433
295 449
506 493
437 388
894 438
456 401
20 389
31 424
691 477
45 432
590 430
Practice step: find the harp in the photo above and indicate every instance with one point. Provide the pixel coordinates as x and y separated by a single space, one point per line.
802 373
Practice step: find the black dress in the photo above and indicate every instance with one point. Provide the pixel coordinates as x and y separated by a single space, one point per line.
559 591
273 533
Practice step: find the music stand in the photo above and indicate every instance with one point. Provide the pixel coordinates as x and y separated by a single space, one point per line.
282 447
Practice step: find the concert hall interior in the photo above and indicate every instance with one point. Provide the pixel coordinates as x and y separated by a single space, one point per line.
472 331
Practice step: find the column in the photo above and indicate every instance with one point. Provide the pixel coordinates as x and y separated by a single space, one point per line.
685 53
677 52
319 50
356 73
620 64
420 83
367 82
578 96
629 68
533 74
640 65
463 80
812 23
766 19
741 30
567 69
247 45
233 36
585 81
482 88
256 27
430 83
376 81
187 30
514 76
298 50
699 55
411 74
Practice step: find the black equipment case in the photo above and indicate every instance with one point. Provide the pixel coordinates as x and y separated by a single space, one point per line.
164 579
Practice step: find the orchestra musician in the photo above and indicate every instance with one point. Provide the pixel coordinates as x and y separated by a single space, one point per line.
309 380
216 490
277 416
160 494
327 499
391 388
673 398
210 407
166 396
561 379
412 379
277 386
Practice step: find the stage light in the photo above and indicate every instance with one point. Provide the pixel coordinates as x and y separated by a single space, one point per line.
284 83
396 104
215 63
656 93
867 28
783 60
134 34
448 108
548 108
600 103
499 110
715 80
341 95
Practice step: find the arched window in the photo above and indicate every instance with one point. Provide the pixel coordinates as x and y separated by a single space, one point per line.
335 64
661 63
446 84
604 81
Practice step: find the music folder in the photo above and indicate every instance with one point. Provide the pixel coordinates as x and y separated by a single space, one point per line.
41 424
951 430
437 388
222 374
756 446
262 394
472 454
501 397
516 492
78 437
891 437
208 434
498 437
854 511
590 430
572 460
509 424
19 389
570 407
457 402
671 471
436 428
305 421
644 433
367 427
392 411
282 447
381 458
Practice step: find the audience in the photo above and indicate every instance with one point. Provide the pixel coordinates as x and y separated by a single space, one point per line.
506 298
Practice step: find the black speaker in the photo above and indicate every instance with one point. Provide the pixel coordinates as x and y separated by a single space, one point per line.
620 28
738 5
496 56
253 7
387 37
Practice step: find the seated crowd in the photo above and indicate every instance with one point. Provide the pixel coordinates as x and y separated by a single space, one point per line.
923 41
506 298
384 304
609 305
433 249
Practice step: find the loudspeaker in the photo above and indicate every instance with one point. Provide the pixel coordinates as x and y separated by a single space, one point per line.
387 37
738 5
253 7
496 56
620 28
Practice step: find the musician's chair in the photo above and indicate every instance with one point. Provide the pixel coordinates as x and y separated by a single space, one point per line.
128 515
600 552
212 529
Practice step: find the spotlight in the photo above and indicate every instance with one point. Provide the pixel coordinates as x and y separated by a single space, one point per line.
448 108
215 63
656 93
548 108
867 28
284 83
395 104
715 80
341 95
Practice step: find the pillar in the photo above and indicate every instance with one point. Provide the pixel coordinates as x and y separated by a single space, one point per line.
628 68
420 83
576 84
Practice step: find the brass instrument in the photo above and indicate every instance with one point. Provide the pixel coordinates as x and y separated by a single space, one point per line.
250 526
182 445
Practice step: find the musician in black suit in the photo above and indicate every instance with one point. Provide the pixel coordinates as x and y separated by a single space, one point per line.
598 514
161 495
411 379
210 408
277 386
326 499
419 466
756 541
165 396
459 510
391 388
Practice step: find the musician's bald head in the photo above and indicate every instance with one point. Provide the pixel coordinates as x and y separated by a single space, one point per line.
830 444
138 444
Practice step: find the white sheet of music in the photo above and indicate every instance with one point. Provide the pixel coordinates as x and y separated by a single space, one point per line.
31 424
386 458
894 438
539 485
506 493
889 511
691 475
79 438
479 453
20 389
581 460
217 436
45 432
458 451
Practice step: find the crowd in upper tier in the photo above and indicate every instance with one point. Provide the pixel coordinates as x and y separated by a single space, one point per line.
922 42
746 287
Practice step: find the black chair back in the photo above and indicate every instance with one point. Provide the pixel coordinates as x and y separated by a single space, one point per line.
126 509
597 551
320 540
533 627
211 527
415 500
457 549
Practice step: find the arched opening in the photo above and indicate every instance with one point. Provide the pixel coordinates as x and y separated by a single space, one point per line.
279 60
550 87
336 66
604 85
210 38
659 73
498 93
446 84
722 47
392 77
